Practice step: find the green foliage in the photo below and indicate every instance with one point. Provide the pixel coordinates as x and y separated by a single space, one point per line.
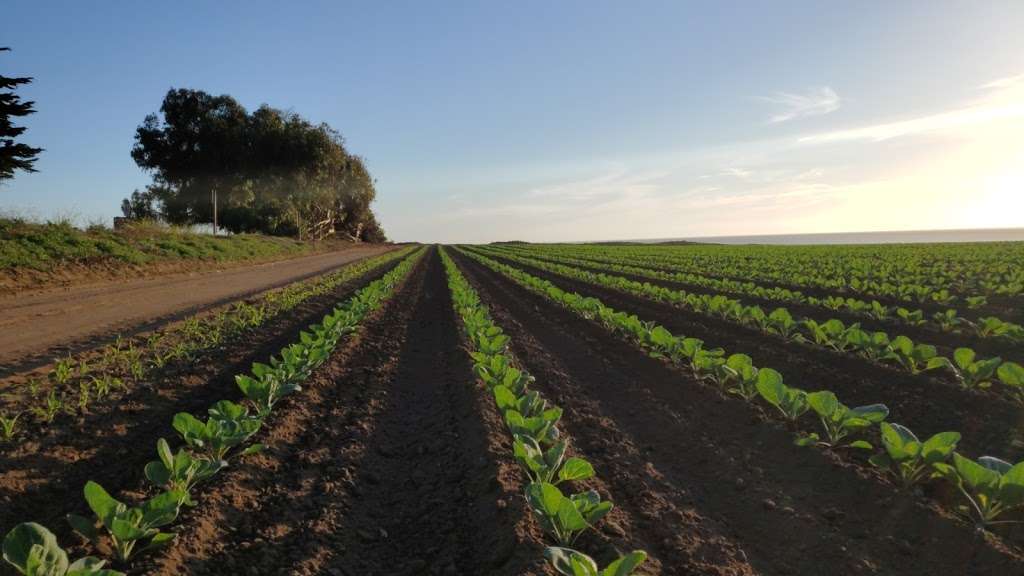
129 526
991 486
33 551
970 371
839 421
791 402
572 563
909 459
565 517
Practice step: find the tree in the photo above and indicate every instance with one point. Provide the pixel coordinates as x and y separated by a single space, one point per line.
14 155
141 205
273 171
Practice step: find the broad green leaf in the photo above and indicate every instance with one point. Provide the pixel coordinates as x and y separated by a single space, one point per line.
32 544
576 469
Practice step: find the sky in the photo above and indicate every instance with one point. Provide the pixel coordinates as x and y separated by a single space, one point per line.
562 121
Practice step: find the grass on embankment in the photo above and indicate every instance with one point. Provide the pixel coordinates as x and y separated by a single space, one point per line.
43 247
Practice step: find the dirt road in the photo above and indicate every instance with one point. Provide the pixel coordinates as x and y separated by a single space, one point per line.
35 327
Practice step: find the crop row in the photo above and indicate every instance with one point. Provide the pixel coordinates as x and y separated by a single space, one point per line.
907 273
966 368
77 383
206 448
538 446
990 485
947 320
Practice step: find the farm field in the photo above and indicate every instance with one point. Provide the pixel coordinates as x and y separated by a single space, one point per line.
511 409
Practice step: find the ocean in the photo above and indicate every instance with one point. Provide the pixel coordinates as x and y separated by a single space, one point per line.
896 237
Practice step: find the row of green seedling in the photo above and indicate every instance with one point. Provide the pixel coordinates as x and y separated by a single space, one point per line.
884 272
946 321
991 486
206 448
965 367
538 445
76 383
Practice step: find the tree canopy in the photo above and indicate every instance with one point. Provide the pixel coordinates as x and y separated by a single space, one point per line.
14 155
273 171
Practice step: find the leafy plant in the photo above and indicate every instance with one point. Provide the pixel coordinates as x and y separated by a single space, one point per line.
791 402
8 425
549 466
569 562
915 358
969 371
743 375
33 551
541 428
565 517
911 460
840 421
228 426
1012 374
266 387
128 526
991 486
180 472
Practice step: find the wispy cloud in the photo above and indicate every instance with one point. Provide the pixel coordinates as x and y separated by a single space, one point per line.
1005 101
813 102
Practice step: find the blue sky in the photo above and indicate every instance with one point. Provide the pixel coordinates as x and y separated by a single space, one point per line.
563 120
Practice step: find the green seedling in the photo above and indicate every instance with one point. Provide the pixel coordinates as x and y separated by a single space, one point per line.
565 518
991 486
968 370
839 421
33 551
909 459
180 472
131 529
229 425
569 562
791 402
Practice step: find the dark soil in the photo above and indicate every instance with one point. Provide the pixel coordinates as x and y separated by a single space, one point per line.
752 502
990 425
391 461
41 479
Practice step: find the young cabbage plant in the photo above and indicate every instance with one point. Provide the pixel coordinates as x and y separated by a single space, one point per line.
914 358
781 322
908 458
948 320
497 370
129 526
549 466
791 402
1012 374
228 426
33 551
180 472
870 345
911 318
991 486
265 387
565 517
541 428
743 374
839 421
569 562
968 370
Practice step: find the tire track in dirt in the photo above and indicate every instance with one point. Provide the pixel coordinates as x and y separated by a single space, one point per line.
793 510
387 463
42 478
989 425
